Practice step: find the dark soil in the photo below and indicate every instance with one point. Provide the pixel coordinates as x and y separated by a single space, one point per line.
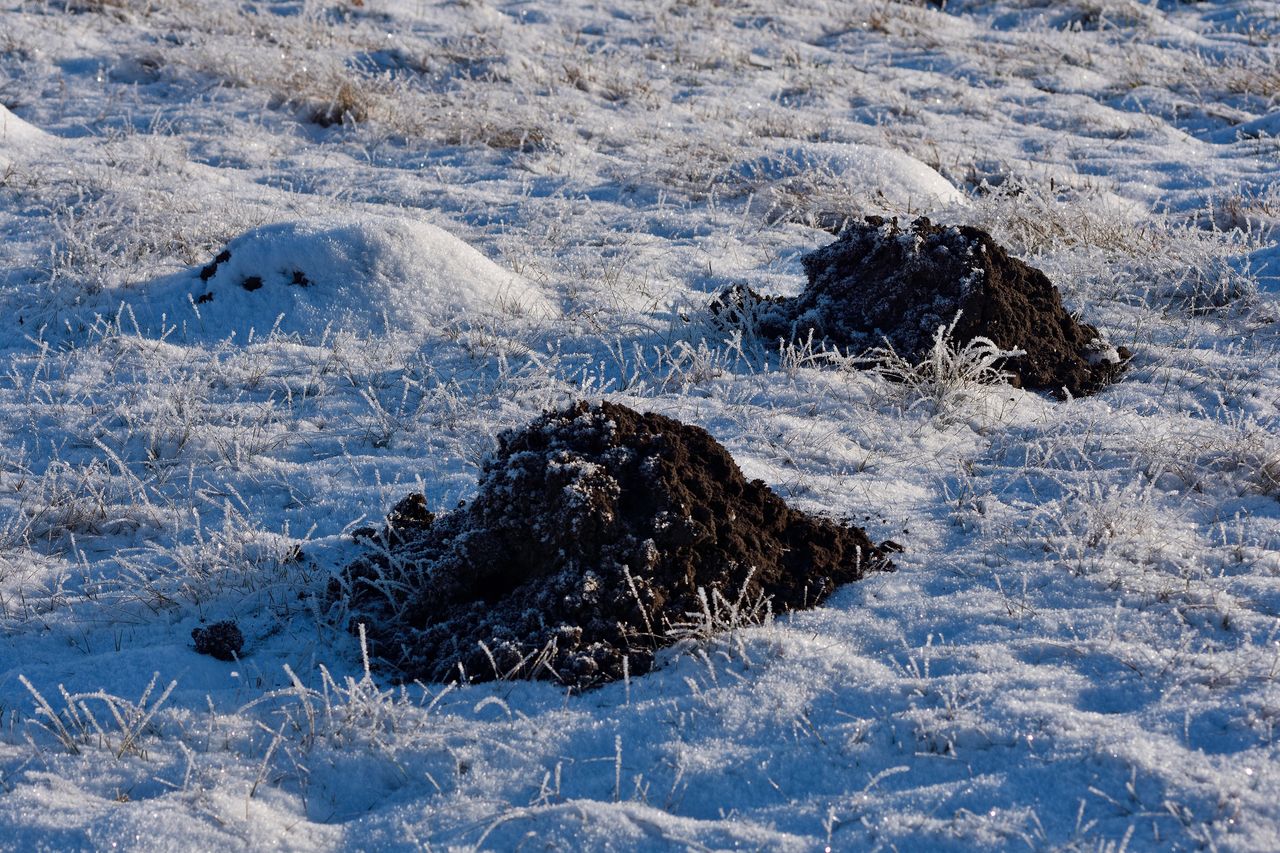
211 269
250 283
591 534
221 640
881 282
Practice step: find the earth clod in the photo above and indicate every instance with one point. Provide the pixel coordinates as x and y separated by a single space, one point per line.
222 640
880 282
596 533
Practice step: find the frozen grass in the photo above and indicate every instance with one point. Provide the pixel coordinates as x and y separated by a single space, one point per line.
1079 649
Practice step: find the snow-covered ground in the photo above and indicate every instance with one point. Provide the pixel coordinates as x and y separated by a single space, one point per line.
445 217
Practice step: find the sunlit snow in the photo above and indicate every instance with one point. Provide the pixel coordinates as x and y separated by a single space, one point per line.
443 218
365 276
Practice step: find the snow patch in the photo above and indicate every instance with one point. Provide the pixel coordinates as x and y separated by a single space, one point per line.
886 178
1266 126
14 130
359 274
18 137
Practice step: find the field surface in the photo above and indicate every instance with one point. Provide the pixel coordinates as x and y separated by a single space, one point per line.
446 217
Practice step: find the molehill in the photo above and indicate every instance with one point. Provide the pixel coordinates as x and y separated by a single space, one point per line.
592 532
882 282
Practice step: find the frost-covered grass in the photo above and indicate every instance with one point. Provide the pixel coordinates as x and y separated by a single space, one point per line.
1081 646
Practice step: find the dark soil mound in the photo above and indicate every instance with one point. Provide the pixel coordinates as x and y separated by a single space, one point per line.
591 535
879 281
221 640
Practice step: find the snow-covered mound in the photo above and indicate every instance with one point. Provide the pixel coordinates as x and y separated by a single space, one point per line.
14 131
18 137
882 176
364 275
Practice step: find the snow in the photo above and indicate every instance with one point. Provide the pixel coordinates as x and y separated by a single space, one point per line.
359 275
517 204
873 175
18 139
14 132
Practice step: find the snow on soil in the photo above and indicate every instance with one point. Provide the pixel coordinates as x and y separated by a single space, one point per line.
893 179
365 276
1081 646
14 132
17 138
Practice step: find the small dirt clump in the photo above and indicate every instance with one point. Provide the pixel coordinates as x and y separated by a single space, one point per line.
596 533
880 282
221 640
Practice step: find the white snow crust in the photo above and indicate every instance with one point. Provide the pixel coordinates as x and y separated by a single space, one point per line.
509 205
360 275
14 132
18 139
878 177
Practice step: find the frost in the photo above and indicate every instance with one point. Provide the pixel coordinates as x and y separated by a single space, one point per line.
466 214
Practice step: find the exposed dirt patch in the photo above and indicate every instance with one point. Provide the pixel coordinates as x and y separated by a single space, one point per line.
221 640
881 282
591 534
250 283
211 269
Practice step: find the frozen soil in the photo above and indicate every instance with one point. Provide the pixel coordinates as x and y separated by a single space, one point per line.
597 534
221 640
881 284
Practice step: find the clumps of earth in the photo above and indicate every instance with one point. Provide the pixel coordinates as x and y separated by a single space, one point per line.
222 640
880 283
250 282
596 530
